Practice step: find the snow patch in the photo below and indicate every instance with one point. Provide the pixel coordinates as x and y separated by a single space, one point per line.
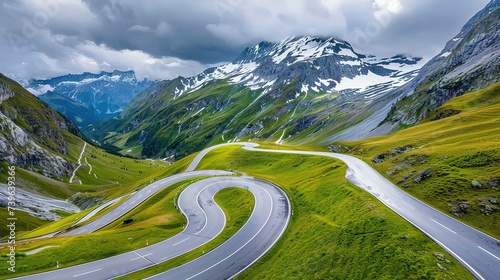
347 52
446 54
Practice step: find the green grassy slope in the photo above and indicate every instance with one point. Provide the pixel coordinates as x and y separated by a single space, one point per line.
337 230
161 123
459 144
36 118
25 222
113 181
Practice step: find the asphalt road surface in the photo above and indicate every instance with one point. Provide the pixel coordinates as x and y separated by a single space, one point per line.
140 197
206 220
265 226
478 252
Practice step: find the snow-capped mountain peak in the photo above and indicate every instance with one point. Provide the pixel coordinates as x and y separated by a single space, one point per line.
73 81
315 63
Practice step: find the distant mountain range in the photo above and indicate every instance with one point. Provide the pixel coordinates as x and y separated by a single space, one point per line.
304 88
86 98
313 64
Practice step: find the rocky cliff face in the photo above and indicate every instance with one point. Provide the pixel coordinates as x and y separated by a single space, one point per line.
5 92
470 61
31 135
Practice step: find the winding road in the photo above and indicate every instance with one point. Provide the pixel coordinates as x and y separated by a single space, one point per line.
206 220
478 252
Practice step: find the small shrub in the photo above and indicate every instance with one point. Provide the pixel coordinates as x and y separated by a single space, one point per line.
478 159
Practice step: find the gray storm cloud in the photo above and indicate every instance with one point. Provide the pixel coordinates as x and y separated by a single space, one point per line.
165 39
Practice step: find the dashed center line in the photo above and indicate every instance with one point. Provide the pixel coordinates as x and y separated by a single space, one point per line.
443 226
88 272
180 242
489 253
408 205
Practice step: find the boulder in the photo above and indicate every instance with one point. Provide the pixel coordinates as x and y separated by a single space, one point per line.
476 184
86 200
422 175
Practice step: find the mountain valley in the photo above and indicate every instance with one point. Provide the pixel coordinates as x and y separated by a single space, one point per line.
85 146
299 90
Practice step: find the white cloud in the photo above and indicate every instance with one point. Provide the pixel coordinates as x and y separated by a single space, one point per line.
140 28
393 6
42 90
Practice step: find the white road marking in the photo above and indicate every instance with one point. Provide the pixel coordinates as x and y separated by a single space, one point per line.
180 242
443 226
489 253
204 213
408 205
250 240
88 272
141 256
450 251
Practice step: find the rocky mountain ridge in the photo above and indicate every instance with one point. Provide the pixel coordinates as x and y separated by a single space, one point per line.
88 97
32 132
314 63
305 88
469 61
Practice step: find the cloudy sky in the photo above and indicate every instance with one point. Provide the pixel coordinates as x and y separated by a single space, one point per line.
162 39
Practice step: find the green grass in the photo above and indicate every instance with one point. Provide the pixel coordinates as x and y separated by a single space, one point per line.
337 230
219 112
458 149
24 222
67 222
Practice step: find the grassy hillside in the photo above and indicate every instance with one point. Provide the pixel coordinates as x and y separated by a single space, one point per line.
451 160
116 176
36 118
337 230
25 222
53 137
160 122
